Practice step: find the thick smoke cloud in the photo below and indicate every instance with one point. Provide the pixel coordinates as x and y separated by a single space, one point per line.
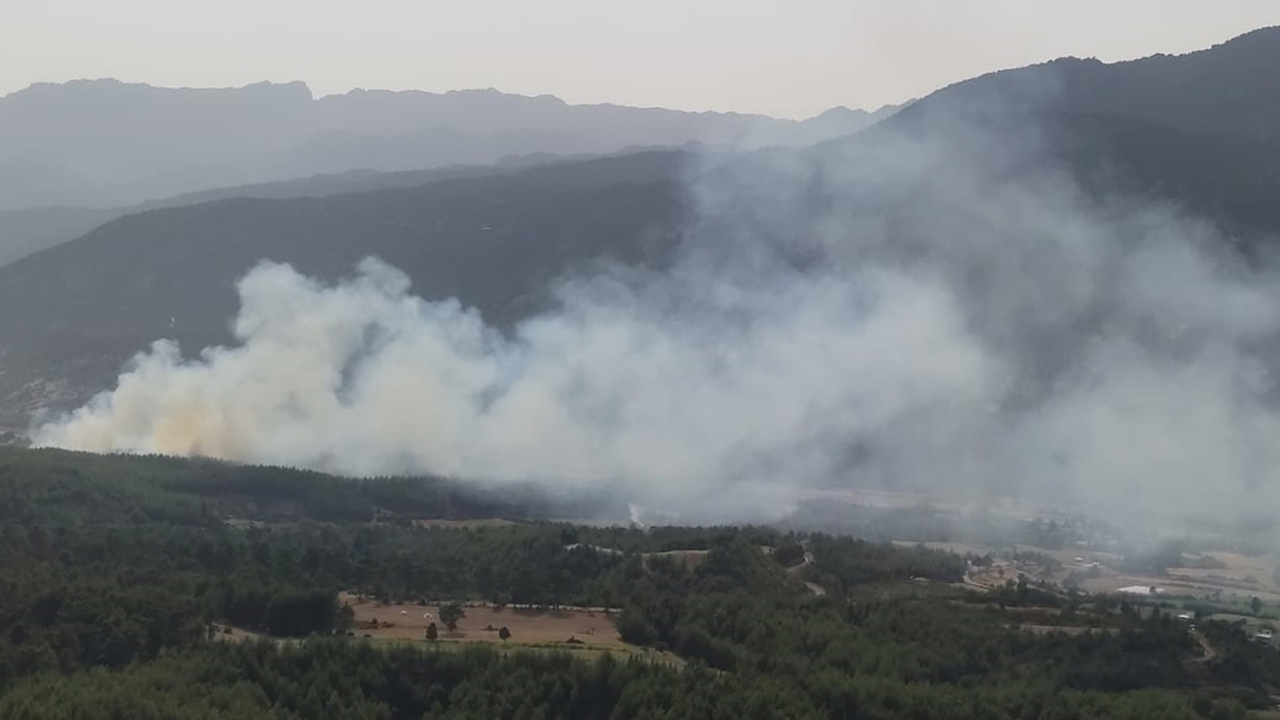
363 378
942 311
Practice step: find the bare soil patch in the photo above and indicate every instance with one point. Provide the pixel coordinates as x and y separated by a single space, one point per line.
584 627
1065 629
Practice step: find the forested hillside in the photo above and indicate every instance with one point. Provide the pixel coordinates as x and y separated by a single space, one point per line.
117 570
27 231
1228 89
493 242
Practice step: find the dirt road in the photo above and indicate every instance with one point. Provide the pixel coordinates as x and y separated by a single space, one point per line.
805 562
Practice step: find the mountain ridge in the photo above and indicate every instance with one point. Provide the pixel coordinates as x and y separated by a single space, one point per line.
300 90
105 143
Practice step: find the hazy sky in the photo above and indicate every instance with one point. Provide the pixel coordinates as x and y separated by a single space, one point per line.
793 58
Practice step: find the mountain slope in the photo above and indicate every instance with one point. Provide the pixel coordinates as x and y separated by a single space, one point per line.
1200 129
1231 88
23 232
81 308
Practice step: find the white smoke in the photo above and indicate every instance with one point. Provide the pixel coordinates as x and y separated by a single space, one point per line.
914 313
362 378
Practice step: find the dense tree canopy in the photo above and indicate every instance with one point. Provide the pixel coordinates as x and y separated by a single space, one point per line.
113 570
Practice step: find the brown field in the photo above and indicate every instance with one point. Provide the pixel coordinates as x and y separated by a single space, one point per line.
590 629
584 631
530 629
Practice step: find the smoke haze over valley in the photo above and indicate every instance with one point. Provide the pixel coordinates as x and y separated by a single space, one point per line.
1054 282
942 303
631 402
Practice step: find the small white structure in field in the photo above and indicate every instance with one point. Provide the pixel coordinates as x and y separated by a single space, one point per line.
1186 616
404 612
426 615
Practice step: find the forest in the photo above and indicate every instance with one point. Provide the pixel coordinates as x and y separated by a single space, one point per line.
114 572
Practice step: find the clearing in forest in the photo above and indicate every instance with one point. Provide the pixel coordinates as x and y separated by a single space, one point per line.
565 628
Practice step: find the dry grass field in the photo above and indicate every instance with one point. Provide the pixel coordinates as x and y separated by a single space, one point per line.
583 631
1240 578
528 627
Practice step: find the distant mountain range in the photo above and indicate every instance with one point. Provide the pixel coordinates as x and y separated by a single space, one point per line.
1200 130
105 143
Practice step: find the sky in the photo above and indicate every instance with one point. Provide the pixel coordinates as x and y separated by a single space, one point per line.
788 59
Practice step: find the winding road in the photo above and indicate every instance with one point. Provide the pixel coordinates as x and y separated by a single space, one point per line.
814 588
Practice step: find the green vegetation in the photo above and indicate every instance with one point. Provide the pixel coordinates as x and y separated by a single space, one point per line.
113 572
55 487
450 614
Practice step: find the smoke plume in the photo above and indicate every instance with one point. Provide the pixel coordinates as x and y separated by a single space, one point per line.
933 311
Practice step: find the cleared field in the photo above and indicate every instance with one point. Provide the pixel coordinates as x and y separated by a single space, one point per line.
566 627
456 524
1065 629
586 632
1205 585
593 632
952 547
689 558
1243 572
1240 577
898 500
